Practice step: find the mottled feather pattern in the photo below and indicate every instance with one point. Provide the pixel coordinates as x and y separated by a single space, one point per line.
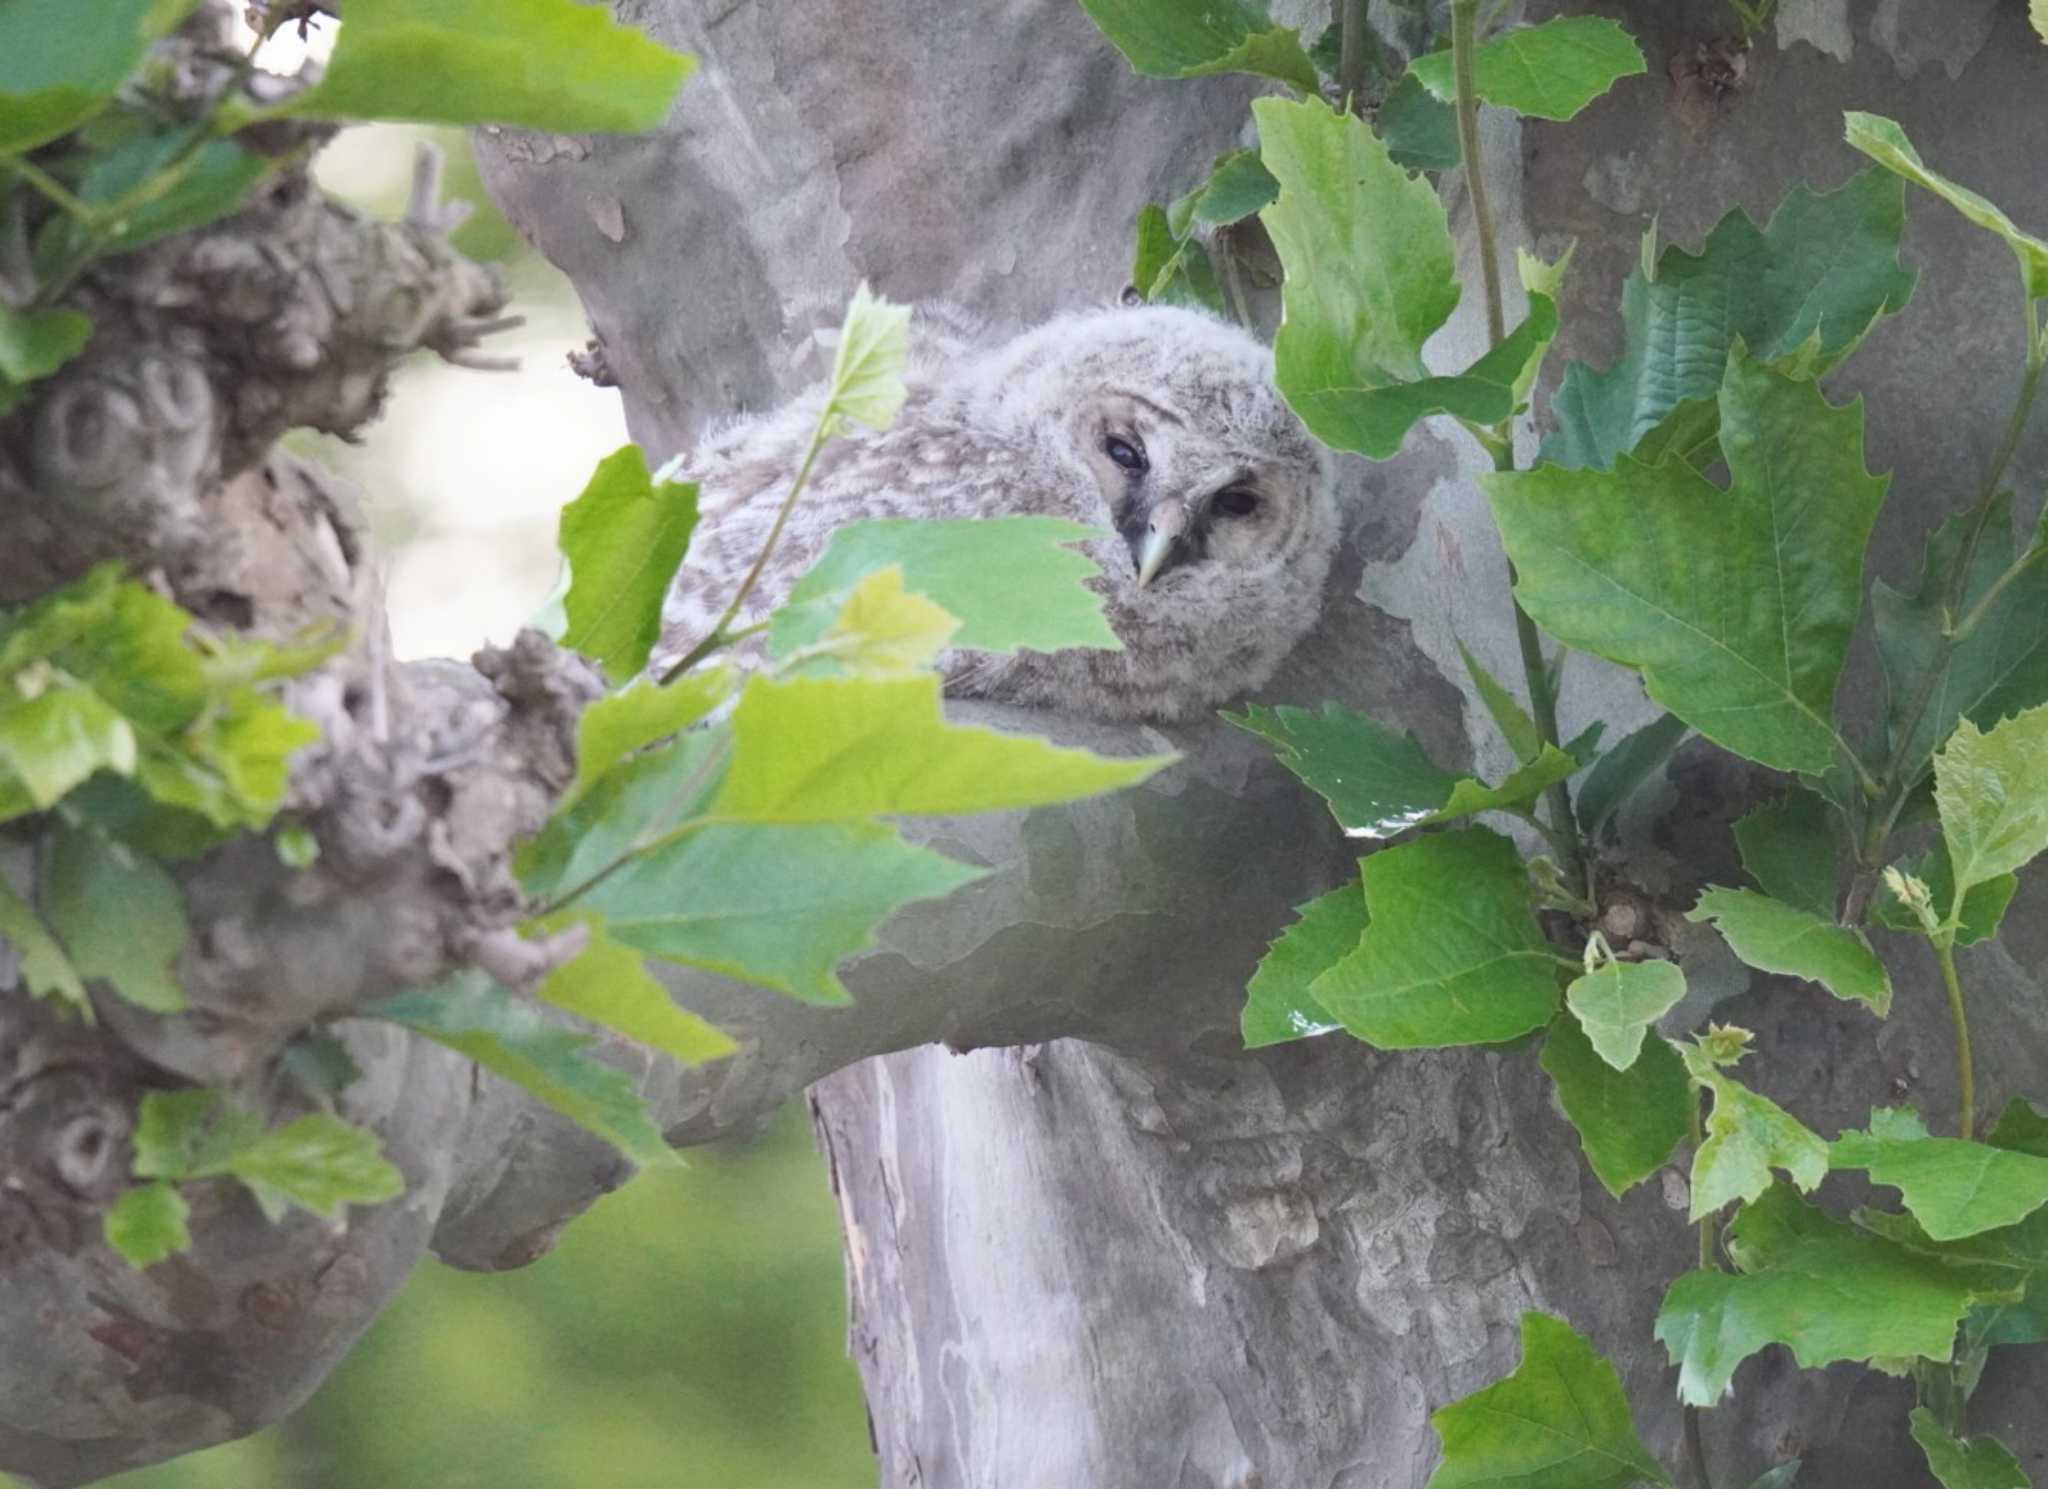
1028 426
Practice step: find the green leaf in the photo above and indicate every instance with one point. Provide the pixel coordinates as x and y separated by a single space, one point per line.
1788 846
624 538
1983 905
826 749
540 64
608 983
1736 605
1826 265
884 632
297 847
1012 581
1629 1121
190 1133
866 385
1239 185
317 1162
2000 668
58 68
45 969
2037 12
1513 721
1168 269
637 716
1953 1188
636 801
147 1224
1549 71
1278 1005
119 915
1814 1285
1993 796
1617 1002
1620 772
1348 357
1886 143
1981 1462
1773 936
475 1017
1420 129
1747 1136
1560 1421
34 346
1452 955
1171 39
776 905
1380 784
57 739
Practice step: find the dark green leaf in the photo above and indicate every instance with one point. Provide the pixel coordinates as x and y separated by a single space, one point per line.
1239 185
147 1224
1826 265
1452 955
1278 1004
1979 1463
1773 936
1170 269
1560 1421
1379 784
637 800
1171 39
1814 1285
1513 721
45 969
1628 1121
1953 1188
624 538
1012 581
1420 129
1788 846
1736 605
542 64
1620 772
119 915
1549 71
475 1017
59 65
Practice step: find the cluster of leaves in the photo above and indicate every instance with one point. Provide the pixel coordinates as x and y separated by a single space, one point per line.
1734 597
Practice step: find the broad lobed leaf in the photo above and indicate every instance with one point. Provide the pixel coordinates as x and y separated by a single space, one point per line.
608 983
1616 1003
1629 1121
1884 142
56 73
1170 39
1551 71
1622 771
1953 1188
1747 1136
1773 936
119 915
1278 1004
1788 847
147 1224
1993 797
1979 1463
623 539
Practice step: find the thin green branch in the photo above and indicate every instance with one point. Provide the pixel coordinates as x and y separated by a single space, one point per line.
1357 45
1969 623
1966 1075
51 187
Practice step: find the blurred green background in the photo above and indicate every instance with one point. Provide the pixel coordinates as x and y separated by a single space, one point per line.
688 1333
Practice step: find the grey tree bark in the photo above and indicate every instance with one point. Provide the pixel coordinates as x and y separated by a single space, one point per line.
1090 1241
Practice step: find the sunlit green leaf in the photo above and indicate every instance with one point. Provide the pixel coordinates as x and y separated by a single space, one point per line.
1629 1121
1549 71
2037 12
778 905
1736 605
608 983
1983 906
317 1162
1620 772
59 738
1278 1004
33 346
475 1017
866 385
1825 1291
1559 1421
45 969
56 70
1171 39
635 717
1617 1002
189 1133
1773 936
1998 669
1826 265
824 749
1993 796
1747 1136
624 538
1884 142
882 631
1379 783
1452 954
1788 846
1011 581
1953 1188
544 64
1981 1462
119 915
147 1224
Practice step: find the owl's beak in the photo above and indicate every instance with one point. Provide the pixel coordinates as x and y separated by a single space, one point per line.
1163 532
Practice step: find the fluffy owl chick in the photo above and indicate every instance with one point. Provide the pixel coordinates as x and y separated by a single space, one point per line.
1160 425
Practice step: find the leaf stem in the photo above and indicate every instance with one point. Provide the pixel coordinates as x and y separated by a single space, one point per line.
1357 42
1463 43
1966 1075
718 635
51 187
1695 1446
1975 618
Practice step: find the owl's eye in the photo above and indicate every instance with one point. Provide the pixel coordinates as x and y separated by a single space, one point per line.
1236 502
1126 454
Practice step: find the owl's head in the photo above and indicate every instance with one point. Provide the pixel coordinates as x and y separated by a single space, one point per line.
1201 468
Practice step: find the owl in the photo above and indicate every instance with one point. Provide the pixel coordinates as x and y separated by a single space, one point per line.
1160 426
